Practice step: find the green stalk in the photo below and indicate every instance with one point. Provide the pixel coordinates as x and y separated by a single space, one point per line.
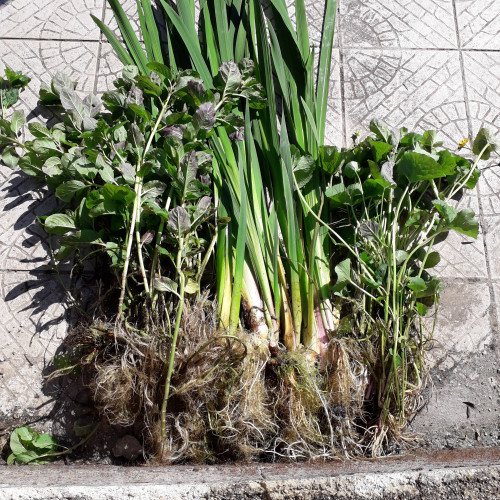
182 282
130 239
138 239
240 257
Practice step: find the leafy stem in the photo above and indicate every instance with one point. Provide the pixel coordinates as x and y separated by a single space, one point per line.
182 283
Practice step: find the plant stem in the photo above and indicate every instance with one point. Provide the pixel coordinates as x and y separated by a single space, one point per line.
178 317
73 448
128 252
138 239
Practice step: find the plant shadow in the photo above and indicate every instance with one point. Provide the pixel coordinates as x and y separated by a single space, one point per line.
37 308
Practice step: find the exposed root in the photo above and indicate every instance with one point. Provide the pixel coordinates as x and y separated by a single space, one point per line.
232 398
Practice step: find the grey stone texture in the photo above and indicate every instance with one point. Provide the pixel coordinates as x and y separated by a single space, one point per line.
440 476
432 64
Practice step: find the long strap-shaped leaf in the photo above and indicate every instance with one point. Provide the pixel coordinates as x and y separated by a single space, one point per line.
225 44
302 29
212 53
152 28
120 51
129 36
190 38
240 254
325 62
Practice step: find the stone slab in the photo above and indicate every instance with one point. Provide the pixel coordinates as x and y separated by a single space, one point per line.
50 19
411 478
482 76
492 237
421 90
32 300
478 24
428 24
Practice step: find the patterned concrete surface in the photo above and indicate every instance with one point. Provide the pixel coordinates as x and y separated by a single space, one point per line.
433 64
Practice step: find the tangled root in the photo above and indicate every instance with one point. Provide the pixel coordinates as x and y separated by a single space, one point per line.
231 398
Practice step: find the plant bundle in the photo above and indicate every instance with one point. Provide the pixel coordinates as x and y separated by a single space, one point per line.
206 171
394 197
273 253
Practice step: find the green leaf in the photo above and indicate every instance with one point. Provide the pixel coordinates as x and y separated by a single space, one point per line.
401 256
343 271
202 208
59 224
165 285
67 190
192 43
10 158
179 221
340 195
192 286
432 287
39 130
16 78
160 69
82 239
487 141
62 82
418 167
45 442
83 430
303 170
43 145
380 149
145 83
417 284
230 75
30 447
153 189
464 221
47 96
421 308
140 111
429 140
331 158
369 229
18 121
380 129
77 110
9 97
324 68
131 41
432 260
6 129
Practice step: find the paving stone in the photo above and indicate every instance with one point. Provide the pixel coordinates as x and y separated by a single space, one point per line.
32 328
334 118
109 69
463 323
21 198
482 75
421 90
492 237
31 301
479 24
50 19
41 60
314 14
398 23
